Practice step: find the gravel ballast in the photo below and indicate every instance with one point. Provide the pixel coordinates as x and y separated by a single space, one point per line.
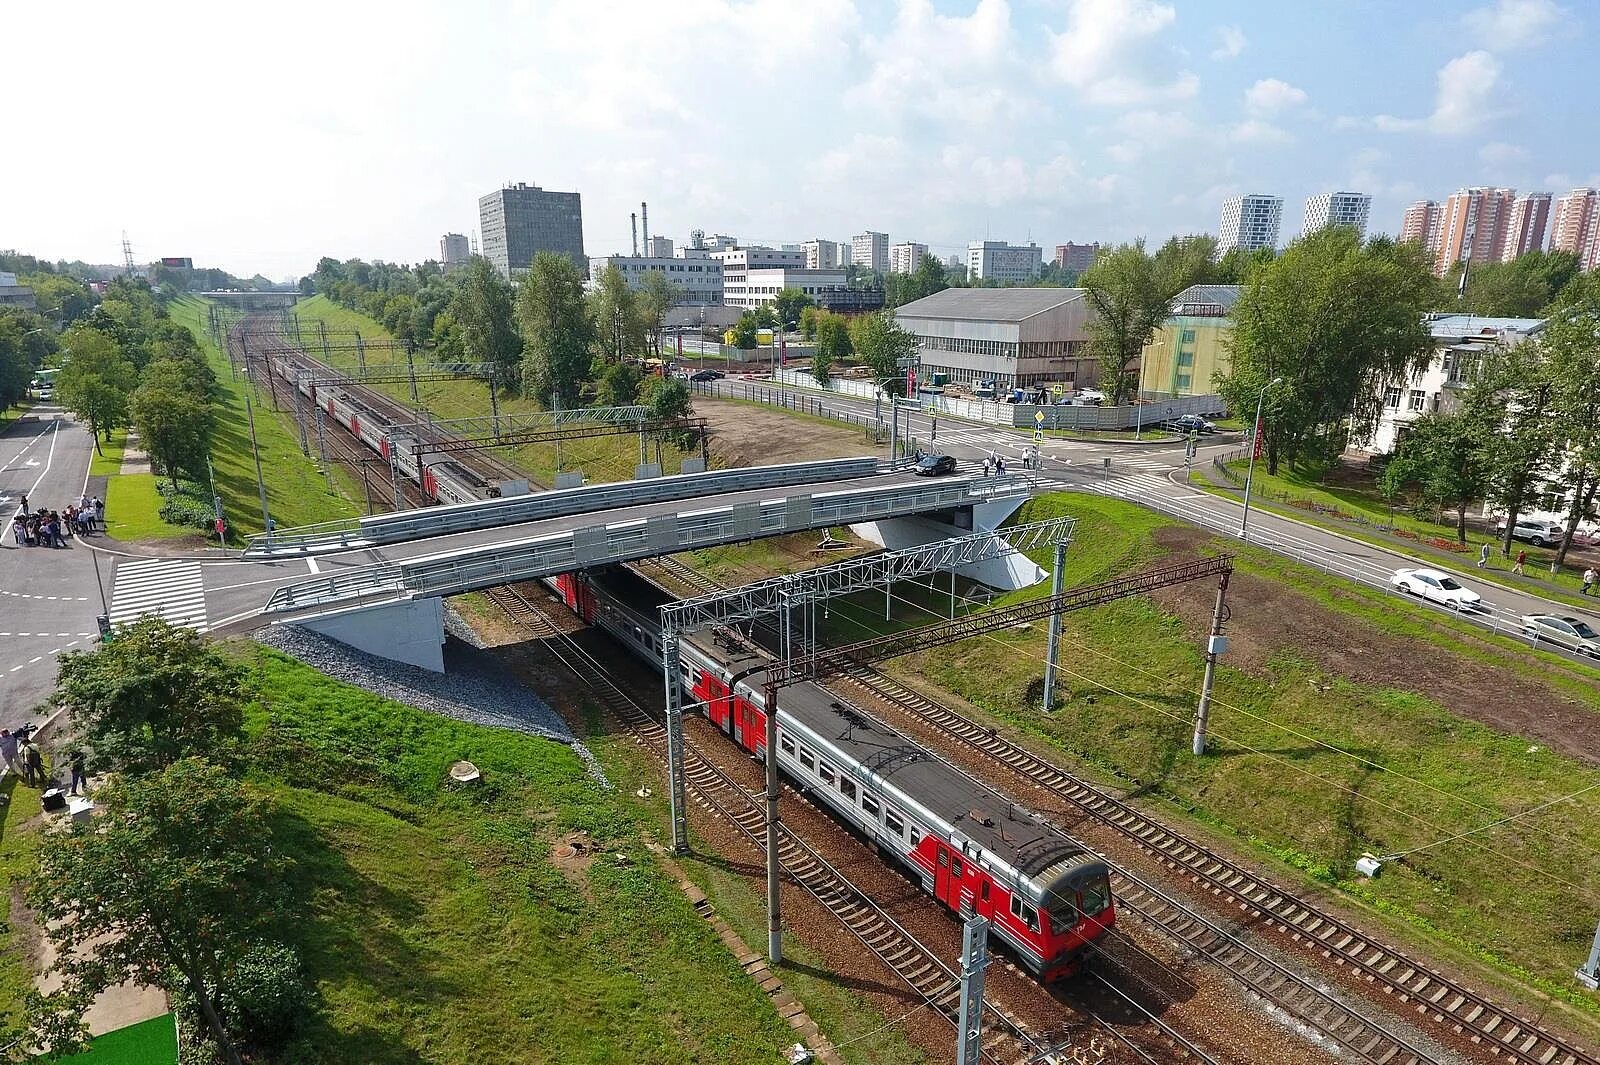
474 687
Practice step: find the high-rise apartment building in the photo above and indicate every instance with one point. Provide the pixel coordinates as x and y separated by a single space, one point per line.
1525 230
996 260
1575 226
1076 258
1249 222
453 249
823 254
1337 209
1421 227
870 250
522 220
905 258
1473 224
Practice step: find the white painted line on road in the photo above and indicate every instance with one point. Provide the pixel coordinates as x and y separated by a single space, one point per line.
55 651
34 659
312 563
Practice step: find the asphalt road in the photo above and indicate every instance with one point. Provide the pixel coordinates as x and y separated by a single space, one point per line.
48 601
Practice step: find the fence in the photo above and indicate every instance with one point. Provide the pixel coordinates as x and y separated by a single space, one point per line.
795 401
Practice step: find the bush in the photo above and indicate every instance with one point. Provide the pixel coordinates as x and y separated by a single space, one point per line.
189 505
269 994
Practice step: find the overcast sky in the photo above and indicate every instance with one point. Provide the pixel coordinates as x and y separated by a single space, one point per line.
258 137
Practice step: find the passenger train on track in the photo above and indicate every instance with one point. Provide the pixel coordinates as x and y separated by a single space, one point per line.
441 478
1047 899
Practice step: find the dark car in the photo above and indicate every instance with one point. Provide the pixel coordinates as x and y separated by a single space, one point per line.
1192 423
935 465
706 375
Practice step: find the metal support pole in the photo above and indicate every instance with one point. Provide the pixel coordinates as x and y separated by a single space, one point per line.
300 421
261 486
1215 645
774 917
1058 580
1589 975
411 370
394 475
894 429
671 670
361 351
322 447
494 408
974 961
366 484
322 328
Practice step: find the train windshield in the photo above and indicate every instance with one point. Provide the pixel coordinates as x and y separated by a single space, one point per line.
1095 895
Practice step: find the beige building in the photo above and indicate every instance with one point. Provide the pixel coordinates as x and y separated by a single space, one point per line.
870 251
1190 349
1473 224
1010 337
1574 225
1525 231
1076 258
1421 227
905 258
822 254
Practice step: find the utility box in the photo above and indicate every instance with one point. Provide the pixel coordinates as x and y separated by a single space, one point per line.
1217 645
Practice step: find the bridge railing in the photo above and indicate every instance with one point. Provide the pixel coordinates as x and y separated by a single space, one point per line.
512 510
664 534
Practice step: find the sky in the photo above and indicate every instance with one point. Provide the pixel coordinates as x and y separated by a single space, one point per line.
259 138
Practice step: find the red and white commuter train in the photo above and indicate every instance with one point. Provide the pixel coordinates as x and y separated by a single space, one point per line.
1047 899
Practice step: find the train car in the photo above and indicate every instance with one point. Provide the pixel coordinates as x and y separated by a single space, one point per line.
1047 899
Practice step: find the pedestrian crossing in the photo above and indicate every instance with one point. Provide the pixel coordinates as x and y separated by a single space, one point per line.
168 588
1133 476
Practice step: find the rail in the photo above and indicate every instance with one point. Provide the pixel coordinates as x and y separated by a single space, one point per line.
512 510
522 560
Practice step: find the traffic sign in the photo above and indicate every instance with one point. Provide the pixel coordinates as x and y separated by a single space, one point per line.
1038 416
1038 435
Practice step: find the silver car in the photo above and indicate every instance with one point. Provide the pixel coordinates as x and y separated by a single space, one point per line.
1574 634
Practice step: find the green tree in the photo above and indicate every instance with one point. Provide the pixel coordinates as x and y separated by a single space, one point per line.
556 328
61 299
657 296
787 306
17 361
1129 300
617 384
173 886
1571 347
808 321
744 332
1338 322
618 322
96 381
833 336
1528 447
821 366
1446 457
667 397
174 419
156 694
482 312
1185 261
882 343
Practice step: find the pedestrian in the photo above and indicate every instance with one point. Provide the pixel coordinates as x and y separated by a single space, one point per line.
1522 560
99 513
8 749
988 467
1483 556
24 506
19 530
1000 467
80 775
35 765
1589 577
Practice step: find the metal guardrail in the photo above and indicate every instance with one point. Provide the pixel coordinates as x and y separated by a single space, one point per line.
522 560
512 510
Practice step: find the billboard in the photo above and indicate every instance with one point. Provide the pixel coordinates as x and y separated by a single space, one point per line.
182 263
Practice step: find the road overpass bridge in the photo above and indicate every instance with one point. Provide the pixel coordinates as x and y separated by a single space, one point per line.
254 301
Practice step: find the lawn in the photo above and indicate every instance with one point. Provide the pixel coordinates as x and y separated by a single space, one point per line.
133 510
1312 762
601 458
440 929
152 1042
19 843
107 458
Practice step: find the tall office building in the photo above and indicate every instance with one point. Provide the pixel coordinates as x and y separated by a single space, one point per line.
905 258
1076 258
870 250
1249 222
454 249
1421 227
1575 226
521 220
823 254
1337 209
1525 230
1472 227
998 261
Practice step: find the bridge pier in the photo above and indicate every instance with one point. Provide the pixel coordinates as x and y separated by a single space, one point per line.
409 631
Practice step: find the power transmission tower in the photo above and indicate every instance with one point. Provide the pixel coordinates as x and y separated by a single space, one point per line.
127 254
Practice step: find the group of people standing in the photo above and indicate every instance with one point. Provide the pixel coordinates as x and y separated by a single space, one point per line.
50 528
23 757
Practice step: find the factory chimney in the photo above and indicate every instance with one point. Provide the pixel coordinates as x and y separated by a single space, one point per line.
644 221
633 225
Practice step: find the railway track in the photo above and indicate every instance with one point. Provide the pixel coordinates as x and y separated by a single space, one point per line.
1006 1039
1431 995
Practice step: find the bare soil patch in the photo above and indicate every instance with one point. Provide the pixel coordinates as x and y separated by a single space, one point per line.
1279 618
743 434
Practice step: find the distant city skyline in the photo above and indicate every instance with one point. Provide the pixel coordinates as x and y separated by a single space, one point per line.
942 121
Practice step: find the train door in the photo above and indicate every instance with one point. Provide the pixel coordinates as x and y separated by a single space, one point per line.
941 874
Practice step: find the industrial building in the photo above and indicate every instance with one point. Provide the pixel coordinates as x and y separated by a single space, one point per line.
1013 337
995 260
519 221
1190 350
695 274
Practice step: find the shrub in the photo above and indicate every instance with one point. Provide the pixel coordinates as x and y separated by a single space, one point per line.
189 505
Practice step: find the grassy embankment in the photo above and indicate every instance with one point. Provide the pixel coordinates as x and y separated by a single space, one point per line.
19 844
297 491
1359 510
1308 769
601 458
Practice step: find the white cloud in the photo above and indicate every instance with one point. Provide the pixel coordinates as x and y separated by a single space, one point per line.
1109 53
1270 95
1499 153
1513 23
1143 132
944 67
1255 131
1464 100
1233 42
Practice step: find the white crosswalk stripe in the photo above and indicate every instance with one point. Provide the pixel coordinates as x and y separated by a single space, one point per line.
169 588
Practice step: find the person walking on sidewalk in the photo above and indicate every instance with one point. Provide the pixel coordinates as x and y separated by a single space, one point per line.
1522 560
1589 578
1483 556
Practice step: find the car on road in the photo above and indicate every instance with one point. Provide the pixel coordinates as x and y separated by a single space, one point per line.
1574 634
935 465
1537 533
1192 423
707 375
1436 587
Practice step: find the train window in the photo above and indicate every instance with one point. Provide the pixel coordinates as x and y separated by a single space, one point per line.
892 821
944 860
1028 915
1096 897
955 866
914 835
807 761
847 789
786 745
869 804
983 891
825 771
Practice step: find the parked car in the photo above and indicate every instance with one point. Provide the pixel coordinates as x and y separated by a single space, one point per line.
935 465
1192 423
1436 587
1537 533
706 375
1575 634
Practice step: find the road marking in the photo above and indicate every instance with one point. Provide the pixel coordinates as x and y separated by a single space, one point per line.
172 589
312 563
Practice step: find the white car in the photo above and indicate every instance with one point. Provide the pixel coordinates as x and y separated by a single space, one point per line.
1436 587
1575 634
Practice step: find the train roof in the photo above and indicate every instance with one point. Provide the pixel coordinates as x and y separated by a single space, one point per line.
969 809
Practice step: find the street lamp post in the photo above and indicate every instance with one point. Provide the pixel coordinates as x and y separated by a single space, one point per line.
1255 445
